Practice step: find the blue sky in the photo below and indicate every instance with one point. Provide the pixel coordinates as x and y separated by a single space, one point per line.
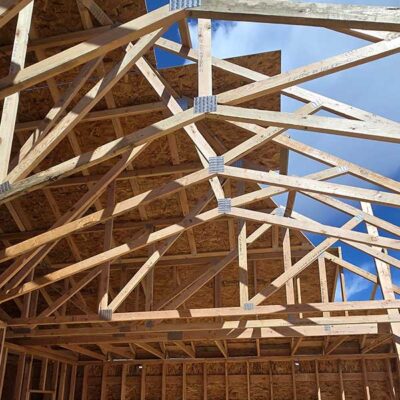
374 87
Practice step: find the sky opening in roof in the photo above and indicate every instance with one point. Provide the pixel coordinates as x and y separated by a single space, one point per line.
374 87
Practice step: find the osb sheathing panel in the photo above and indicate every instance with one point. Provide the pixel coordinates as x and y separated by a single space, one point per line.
94 134
237 381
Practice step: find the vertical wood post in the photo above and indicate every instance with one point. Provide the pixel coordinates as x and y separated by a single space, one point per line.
143 383
72 384
204 63
385 280
85 382
10 106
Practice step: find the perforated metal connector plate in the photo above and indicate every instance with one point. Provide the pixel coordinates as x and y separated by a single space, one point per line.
183 103
179 4
224 205
248 306
106 314
205 104
215 165
5 187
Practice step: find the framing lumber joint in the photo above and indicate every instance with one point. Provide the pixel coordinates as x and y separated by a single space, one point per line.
216 165
179 4
5 187
224 205
106 314
205 104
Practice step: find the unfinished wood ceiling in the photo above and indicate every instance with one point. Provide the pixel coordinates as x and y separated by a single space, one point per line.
140 242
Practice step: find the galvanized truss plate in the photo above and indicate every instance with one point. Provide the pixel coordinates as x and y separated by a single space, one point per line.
5 187
179 4
204 104
106 314
224 205
248 306
216 164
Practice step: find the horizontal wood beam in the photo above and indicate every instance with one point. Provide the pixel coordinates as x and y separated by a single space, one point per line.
365 130
223 312
235 334
308 185
314 14
339 233
181 326
101 115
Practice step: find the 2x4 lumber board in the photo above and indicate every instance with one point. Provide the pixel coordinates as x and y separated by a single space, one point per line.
10 105
10 8
204 64
56 112
141 339
80 207
116 252
124 388
302 74
86 352
185 292
101 115
184 32
104 282
143 383
298 183
354 211
86 51
204 150
119 209
41 352
338 233
293 322
87 102
323 282
142 273
300 265
371 250
157 253
85 382
295 92
385 278
314 14
341 383
362 129
3 366
72 385
243 264
168 96
102 153
84 7
150 349
357 270
225 312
